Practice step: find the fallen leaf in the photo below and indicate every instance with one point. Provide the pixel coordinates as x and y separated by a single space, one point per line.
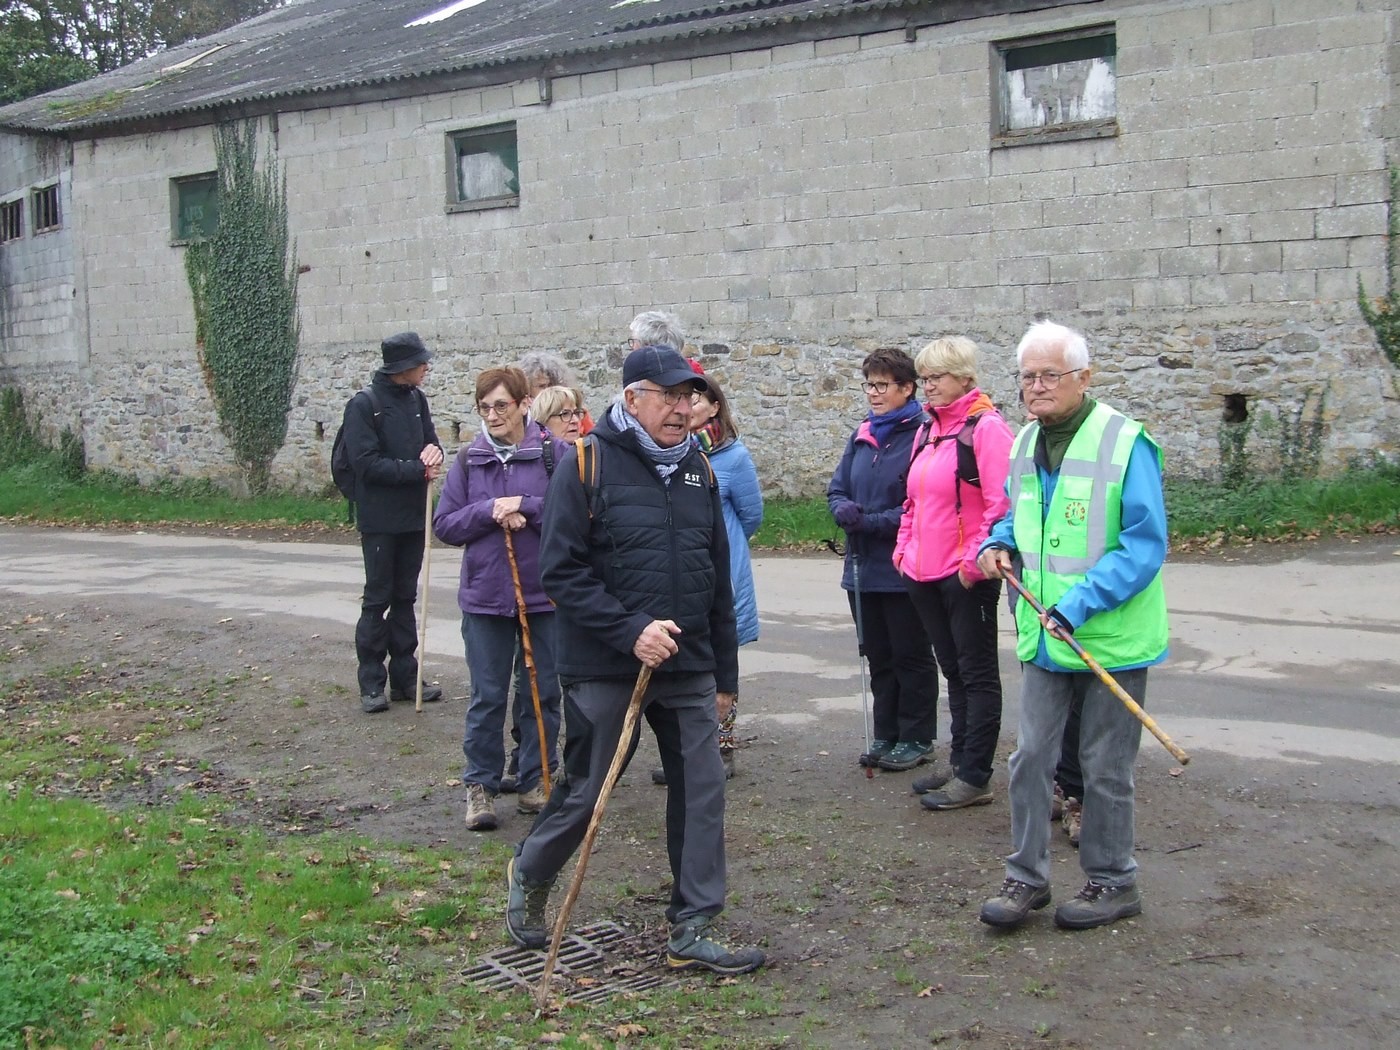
625 1030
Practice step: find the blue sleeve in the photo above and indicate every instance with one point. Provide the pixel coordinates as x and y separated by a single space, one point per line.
1002 535
839 489
1122 573
745 496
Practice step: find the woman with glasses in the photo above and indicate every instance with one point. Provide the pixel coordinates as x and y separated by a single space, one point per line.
560 410
957 492
713 428
866 497
497 485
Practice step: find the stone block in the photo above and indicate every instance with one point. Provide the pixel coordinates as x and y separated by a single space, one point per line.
1189 262
1251 258
1355 220
1298 38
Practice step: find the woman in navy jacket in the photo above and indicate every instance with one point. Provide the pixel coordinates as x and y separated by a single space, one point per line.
866 497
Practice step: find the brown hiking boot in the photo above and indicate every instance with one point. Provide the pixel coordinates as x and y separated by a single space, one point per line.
481 809
1072 819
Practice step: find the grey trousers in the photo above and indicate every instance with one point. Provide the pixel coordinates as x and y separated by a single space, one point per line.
1109 736
681 712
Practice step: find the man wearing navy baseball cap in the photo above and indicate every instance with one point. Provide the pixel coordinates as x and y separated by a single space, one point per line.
636 560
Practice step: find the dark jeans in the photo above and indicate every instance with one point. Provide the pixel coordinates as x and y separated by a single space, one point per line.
387 624
903 674
1067 772
962 623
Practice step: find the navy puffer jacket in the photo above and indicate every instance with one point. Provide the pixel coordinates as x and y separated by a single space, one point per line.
650 551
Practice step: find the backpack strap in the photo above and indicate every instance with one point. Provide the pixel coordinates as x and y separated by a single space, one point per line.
589 455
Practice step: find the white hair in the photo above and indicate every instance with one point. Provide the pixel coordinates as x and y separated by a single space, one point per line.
657 328
1047 335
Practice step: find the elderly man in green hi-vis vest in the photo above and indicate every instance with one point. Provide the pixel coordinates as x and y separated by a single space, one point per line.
1088 519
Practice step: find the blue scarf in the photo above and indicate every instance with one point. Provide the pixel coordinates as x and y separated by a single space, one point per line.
883 426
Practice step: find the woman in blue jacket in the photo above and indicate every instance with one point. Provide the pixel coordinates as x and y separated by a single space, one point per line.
866 497
497 484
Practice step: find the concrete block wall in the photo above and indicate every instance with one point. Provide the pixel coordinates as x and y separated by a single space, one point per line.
801 205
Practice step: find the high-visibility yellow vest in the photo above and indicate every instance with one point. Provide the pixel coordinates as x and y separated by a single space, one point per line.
1059 544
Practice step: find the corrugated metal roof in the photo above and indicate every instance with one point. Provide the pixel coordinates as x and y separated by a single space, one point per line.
311 47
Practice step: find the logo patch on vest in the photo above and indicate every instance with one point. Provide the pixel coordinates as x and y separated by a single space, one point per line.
1076 512
691 479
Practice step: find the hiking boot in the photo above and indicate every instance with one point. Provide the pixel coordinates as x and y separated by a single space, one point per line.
1057 804
525 909
906 755
1098 905
533 800
1072 820
481 808
690 946
373 703
726 755
959 794
510 779
1016 900
878 750
942 773
431 694
658 776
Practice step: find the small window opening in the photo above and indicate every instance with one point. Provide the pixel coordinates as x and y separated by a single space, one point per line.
456 433
1236 409
11 220
45 209
320 431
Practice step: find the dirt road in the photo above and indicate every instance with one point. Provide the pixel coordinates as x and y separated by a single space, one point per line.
1269 865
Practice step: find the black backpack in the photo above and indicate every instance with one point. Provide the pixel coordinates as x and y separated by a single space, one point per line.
966 472
342 470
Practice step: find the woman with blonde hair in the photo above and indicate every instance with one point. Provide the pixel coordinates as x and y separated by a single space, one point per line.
956 486
560 410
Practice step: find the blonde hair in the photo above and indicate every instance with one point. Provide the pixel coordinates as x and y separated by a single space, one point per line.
954 354
551 399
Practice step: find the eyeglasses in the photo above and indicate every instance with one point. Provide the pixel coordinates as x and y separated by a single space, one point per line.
1048 380
934 377
671 397
498 407
875 388
569 414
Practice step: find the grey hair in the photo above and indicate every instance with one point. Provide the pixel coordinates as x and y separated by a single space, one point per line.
1048 335
657 328
551 366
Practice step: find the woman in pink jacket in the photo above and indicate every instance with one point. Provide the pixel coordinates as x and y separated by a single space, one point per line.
956 493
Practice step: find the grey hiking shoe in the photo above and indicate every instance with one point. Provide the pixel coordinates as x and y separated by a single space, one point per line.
1013 903
957 795
906 755
481 808
942 773
373 703
525 909
690 946
1098 905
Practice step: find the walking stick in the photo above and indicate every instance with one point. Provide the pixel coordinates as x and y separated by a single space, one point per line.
529 660
629 725
1104 677
423 621
865 759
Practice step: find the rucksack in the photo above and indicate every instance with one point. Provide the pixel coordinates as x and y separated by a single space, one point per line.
966 471
590 457
342 470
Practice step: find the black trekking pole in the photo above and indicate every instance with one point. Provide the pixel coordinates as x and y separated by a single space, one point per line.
865 759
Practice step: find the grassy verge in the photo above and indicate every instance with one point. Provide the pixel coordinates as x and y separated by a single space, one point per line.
140 908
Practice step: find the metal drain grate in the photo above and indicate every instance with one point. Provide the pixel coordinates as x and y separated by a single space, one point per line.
582 955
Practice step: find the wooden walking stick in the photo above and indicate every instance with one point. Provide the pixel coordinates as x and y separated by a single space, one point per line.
529 649
624 742
423 620
1104 677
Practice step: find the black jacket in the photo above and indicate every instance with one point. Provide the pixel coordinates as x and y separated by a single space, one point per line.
390 487
651 551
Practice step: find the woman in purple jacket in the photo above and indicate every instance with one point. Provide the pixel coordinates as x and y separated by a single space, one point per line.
497 484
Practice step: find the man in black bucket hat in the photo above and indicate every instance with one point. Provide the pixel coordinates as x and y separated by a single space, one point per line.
389 435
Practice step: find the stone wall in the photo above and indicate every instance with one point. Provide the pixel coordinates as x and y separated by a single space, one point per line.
798 206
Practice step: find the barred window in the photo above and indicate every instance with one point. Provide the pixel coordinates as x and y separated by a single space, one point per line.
11 220
44 209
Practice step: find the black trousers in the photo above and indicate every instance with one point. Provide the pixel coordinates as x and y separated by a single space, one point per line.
387 625
903 674
962 624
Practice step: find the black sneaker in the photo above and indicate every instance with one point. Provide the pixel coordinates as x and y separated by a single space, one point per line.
878 750
431 694
1098 905
690 947
525 909
373 703
1016 900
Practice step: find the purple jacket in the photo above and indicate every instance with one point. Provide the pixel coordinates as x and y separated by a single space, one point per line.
463 518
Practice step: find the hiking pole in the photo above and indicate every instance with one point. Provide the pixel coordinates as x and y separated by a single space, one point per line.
529 660
629 725
423 621
865 759
1104 677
